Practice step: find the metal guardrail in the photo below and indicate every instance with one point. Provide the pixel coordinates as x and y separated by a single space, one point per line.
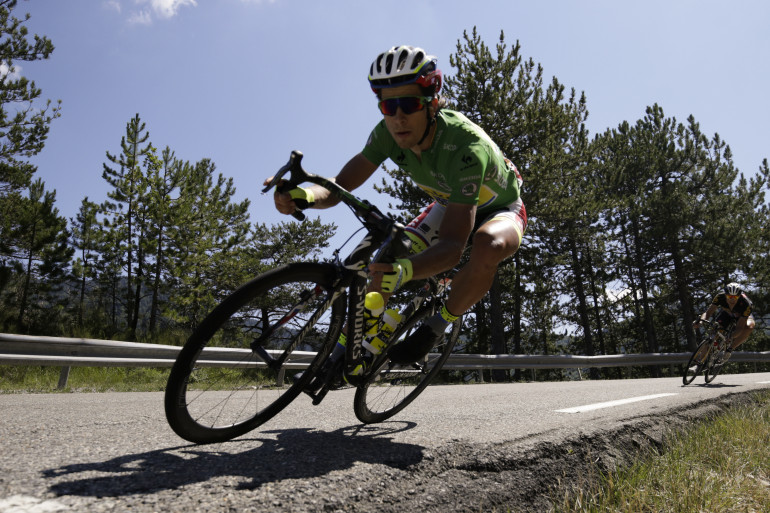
71 352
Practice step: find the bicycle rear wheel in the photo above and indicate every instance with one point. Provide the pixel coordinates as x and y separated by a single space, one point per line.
393 387
219 388
694 366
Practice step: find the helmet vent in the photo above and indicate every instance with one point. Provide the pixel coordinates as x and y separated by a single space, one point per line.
389 63
402 59
417 60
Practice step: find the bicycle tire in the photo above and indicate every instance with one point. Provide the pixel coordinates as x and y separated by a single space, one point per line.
712 369
207 403
393 387
689 374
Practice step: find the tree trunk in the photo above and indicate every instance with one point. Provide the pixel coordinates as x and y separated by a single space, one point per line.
497 334
517 304
582 305
649 327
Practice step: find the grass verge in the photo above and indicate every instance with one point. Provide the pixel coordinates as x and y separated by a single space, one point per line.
37 379
722 464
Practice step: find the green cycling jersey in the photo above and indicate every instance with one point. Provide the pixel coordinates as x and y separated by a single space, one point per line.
463 165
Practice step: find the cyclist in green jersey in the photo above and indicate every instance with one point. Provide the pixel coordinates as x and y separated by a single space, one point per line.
455 162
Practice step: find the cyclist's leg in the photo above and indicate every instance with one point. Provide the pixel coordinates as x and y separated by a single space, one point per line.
743 329
495 238
498 237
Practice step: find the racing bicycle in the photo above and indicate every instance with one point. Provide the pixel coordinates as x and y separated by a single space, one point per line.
708 357
272 338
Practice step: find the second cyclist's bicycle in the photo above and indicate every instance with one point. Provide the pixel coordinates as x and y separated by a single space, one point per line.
272 338
708 358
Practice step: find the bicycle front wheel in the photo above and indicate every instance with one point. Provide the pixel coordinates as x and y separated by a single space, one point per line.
696 362
236 370
393 387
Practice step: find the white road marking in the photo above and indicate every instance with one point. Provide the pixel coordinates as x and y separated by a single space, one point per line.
26 504
763 382
609 404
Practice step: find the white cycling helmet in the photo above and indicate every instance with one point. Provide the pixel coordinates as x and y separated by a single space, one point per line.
733 289
403 65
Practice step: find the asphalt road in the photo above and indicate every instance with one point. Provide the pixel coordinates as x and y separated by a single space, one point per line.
455 448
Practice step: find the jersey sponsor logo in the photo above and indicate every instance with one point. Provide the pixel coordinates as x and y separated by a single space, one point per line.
449 147
469 189
469 178
501 179
400 158
441 180
469 160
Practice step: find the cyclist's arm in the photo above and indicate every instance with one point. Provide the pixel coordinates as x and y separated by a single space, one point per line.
455 229
353 174
453 235
708 313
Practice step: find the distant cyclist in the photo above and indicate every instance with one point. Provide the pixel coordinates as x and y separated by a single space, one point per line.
733 305
455 162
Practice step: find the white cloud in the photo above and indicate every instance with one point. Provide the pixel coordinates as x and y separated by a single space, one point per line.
148 10
143 17
168 8
112 4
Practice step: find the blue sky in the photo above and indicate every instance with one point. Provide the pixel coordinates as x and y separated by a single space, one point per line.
243 82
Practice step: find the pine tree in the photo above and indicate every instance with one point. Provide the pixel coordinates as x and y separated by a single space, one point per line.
539 128
127 212
165 177
23 127
208 236
85 236
41 254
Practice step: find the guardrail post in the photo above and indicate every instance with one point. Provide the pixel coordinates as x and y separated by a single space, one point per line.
279 378
63 377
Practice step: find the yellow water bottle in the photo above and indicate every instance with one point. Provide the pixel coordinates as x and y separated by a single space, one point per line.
390 321
374 304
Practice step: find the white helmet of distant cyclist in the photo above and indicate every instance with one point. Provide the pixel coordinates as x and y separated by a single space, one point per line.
733 289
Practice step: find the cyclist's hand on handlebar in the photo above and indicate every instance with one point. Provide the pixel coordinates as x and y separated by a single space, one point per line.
288 202
394 275
303 198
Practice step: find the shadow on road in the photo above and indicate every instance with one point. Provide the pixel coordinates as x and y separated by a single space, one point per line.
291 454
